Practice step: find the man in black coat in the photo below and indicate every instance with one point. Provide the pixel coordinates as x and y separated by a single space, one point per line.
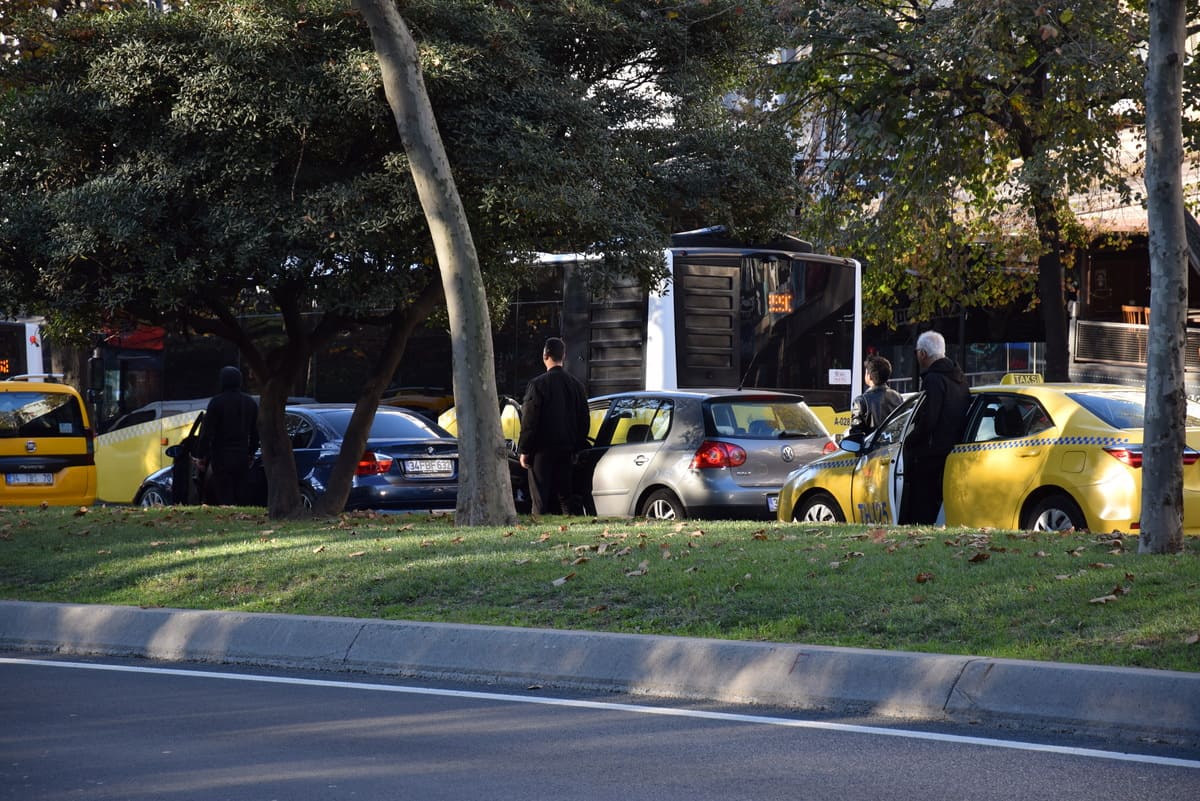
554 427
937 427
228 439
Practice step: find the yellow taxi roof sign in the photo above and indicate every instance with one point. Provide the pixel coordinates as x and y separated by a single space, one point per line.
1022 378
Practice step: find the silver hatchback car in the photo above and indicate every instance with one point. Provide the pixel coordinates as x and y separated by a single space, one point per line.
695 453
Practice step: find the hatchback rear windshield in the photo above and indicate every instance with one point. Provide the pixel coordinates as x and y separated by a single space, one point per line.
387 426
1125 409
40 414
764 419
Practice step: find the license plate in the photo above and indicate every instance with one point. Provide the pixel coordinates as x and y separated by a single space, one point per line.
772 503
429 466
30 479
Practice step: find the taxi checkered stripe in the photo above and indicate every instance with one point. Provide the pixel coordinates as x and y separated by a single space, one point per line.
148 427
1003 444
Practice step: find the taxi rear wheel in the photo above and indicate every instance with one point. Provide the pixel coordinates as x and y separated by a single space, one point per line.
1055 513
152 497
820 507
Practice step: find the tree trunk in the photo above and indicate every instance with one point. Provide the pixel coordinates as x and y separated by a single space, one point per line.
354 442
484 488
279 463
1166 401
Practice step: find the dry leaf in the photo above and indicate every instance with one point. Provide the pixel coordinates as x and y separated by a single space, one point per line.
924 577
580 560
520 561
642 569
877 535
357 554
1191 639
558 582
81 511
981 556
318 549
1100 565
761 534
1103 599
1040 554
457 541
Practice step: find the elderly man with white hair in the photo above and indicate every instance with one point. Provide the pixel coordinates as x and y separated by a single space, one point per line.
937 427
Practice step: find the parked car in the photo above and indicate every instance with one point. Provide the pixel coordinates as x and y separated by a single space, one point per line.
1033 456
47 448
694 453
410 462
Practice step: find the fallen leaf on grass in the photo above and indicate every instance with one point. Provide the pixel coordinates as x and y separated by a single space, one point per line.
357 554
81 511
520 561
558 582
642 569
318 549
580 560
982 556
1191 639
1100 565
1104 599
761 534
924 577
104 552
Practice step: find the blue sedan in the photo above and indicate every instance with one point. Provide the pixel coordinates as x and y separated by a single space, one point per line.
410 463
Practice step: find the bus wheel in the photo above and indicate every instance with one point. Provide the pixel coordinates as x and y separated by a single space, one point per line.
820 507
1055 513
663 505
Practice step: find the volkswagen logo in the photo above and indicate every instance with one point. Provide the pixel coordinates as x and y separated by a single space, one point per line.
31 447
787 453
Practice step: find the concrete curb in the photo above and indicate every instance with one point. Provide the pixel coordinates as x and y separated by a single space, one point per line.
1124 703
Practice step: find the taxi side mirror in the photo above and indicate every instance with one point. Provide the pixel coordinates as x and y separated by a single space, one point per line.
851 445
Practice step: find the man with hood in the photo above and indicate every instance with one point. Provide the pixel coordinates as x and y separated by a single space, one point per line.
228 439
937 426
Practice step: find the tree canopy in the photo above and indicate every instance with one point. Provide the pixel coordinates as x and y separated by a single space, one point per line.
238 157
946 140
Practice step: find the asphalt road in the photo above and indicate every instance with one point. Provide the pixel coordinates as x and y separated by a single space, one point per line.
141 731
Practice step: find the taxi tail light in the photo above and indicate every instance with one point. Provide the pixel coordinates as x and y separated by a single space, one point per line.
372 464
1132 454
712 453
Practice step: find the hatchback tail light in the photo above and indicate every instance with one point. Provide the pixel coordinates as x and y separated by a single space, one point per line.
1132 454
718 454
372 464
830 447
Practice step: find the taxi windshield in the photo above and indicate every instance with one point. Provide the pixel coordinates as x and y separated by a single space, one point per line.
1126 409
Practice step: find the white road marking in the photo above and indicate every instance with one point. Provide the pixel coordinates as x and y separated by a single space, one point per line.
764 720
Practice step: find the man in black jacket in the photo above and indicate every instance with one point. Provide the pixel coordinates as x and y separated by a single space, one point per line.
228 439
937 427
554 427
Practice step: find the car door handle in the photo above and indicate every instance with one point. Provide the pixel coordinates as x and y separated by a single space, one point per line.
641 459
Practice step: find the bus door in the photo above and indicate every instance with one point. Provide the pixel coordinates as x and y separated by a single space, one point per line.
879 476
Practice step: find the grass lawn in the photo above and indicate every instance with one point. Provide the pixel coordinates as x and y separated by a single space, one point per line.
1077 597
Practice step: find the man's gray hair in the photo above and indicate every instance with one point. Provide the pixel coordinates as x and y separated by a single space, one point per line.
933 343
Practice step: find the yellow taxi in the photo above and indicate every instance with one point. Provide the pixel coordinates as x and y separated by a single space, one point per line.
1034 456
47 448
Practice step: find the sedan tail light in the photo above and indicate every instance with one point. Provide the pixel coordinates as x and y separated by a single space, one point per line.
372 464
718 454
1132 454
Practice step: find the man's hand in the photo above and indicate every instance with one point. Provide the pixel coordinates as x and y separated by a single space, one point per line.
525 460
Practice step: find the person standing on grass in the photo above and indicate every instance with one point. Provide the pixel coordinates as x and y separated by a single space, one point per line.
937 426
228 439
554 427
870 408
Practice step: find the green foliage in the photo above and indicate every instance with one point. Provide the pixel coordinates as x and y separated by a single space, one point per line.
948 137
240 156
1070 598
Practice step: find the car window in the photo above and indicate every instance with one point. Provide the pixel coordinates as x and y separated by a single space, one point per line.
40 414
387 425
1125 409
637 420
1007 417
893 427
299 430
133 419
764 419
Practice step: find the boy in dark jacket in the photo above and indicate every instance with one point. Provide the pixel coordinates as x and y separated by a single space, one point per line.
869 409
